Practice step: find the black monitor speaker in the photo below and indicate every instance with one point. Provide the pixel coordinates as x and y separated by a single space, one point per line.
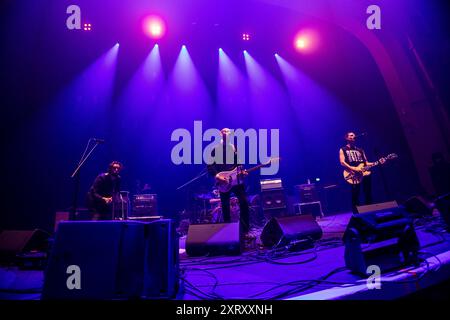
285 230
16 242
213 239
385 238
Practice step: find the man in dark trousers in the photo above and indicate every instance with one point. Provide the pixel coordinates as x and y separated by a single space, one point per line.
350 158
225 159
102 192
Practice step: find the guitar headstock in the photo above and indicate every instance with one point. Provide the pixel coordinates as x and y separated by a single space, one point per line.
391 156
272 160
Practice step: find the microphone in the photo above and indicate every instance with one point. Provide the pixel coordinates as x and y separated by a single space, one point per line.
98 140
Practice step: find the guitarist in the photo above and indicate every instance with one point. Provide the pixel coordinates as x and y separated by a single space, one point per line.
350 157
101 194
225 158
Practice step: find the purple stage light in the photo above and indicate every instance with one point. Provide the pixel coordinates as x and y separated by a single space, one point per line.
87 27
245 36
154 27
231 93
306 40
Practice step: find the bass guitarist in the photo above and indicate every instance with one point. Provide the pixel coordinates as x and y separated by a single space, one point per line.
225 159
350 158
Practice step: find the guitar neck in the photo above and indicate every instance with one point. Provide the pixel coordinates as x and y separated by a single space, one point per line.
374 164
256 167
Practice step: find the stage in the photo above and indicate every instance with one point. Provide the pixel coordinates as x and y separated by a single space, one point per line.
312 274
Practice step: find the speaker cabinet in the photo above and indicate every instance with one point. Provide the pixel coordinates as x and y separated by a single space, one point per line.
15 242
213 239
384 238
112 260
109 257
308 193
273 199
162 260
284 230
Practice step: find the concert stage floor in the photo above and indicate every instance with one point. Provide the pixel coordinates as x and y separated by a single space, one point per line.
313 274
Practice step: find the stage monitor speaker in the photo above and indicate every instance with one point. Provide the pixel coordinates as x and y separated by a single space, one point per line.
384 238
377 207
285 230
102 260
15 242
213 239
418 205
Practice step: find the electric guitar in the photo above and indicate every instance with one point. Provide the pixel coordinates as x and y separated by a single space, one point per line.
226 180
354 177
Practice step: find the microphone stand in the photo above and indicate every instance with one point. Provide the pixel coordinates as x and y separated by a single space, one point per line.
201 174
75 175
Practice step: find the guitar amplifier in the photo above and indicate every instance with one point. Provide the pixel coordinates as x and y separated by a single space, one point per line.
144 205
307 192
270 184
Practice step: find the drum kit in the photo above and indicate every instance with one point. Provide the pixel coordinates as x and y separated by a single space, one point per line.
210 210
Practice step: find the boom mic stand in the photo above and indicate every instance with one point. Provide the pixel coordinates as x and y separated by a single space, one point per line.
75 175
198 176
201 174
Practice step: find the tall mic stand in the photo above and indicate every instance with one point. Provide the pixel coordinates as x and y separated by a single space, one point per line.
198 176
75 175
201 174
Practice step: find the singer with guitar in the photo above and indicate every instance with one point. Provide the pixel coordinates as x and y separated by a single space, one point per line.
354 159
101 194
225 159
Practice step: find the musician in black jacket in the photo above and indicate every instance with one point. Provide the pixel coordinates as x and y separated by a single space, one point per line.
102 192
225 158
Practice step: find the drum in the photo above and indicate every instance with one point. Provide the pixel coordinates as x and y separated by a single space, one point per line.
216 213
